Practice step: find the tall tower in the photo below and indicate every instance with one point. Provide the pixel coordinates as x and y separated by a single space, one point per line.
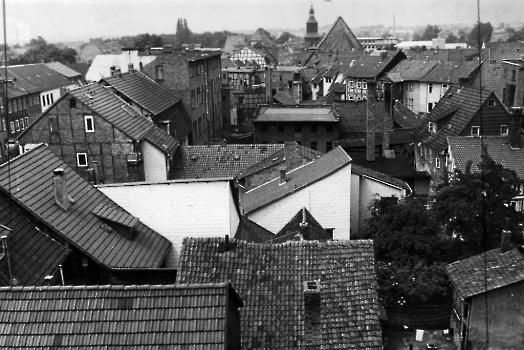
312 38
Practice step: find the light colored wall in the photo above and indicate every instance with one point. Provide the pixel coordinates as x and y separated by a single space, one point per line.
179 209
56 96
355 204
328 200
154 163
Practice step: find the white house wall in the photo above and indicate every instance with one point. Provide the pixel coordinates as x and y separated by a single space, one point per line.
328 200
179 209
154 163
47 98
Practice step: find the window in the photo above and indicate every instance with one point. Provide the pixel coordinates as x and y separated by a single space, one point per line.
432 127
4 125
328 80
430 88
513 75
24 102
315 86
17 125
89 123
281 128
504 130
329 146
491 103
475 130
359 84
518 187
430 106
289 84
364 84
351 83
313 145
298 128
22 124
159 70
12 127
72 103
48 100
313 128
26 122
53 123
193 100
43 101
18 104
444 86
81 159
437 163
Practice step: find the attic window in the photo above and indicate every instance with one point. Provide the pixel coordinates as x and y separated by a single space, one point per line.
475 130
504 130
312 286
432 127
491 103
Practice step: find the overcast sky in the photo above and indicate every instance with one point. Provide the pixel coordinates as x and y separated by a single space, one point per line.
66 20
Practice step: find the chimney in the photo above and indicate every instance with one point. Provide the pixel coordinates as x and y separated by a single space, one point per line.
283 176
515 127
130 67
304 225
370 116
60 186
505 241
6 253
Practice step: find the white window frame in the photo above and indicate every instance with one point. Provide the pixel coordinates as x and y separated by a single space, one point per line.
86 119
504 130
432 127
437 163
477 129
83 164
364 84
430 88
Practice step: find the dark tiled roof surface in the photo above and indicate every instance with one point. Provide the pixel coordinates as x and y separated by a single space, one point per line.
269 278
115 317
39 75
496 268
466 148
299 113
460 106
144 91
250 231
413 70
450 72
124 117
405 117
490 77
297 179
369 67
284 98
211 161
292 230
340 37
34 192
32 253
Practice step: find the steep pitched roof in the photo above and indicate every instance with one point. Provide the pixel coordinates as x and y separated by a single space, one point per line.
497 269
94 317
491 78
450 72
284 98
459 106
297 113
33 255
303 226
146 92
411 70
78 225
405 117
124 117
39 75
371 66
212 161
278 313
297 179
250 231
340 37
465 149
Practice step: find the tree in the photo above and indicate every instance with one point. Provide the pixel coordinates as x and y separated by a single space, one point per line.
515 35
408 255
183 34
430 33
484 35
146 40
474 206
284 37
452 39
41 51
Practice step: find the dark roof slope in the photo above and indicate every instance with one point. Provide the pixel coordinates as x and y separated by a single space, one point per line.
144 91
78 225
371 66
297 179
212 161
250 231
340 37
405 117
134 317
411 70
39 75
270 278
451 72
124 117
284 98
493 267
303 226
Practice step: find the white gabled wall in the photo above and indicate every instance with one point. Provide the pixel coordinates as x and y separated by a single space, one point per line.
179 209
328 200
154 163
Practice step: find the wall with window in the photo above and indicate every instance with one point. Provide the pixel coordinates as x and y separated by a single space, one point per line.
47 98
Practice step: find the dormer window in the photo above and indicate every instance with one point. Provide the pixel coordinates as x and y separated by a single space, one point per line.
475 130
432 127
504 130
491 103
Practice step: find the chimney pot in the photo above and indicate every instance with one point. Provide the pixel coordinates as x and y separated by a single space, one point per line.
505 243
283 176
60 188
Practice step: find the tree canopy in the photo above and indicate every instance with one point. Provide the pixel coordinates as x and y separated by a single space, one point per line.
41 51
431 32
486 30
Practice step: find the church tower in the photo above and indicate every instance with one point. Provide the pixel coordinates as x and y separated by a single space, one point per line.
312 38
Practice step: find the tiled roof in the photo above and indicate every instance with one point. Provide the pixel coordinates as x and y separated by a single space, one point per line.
298 113
460 106
363 171
124 117
102 317
284 98
340 37
212 161
491 78
353 116
320 75
405 117
295 230
450 72
369 66
297 179
279 157
270 278
63 69
411 70
78 226
250 231
33 255
466 148
144 91
493 267
39 75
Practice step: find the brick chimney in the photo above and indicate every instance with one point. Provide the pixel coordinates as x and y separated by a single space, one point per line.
515 127
283 176
505 241
371 122
60 188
